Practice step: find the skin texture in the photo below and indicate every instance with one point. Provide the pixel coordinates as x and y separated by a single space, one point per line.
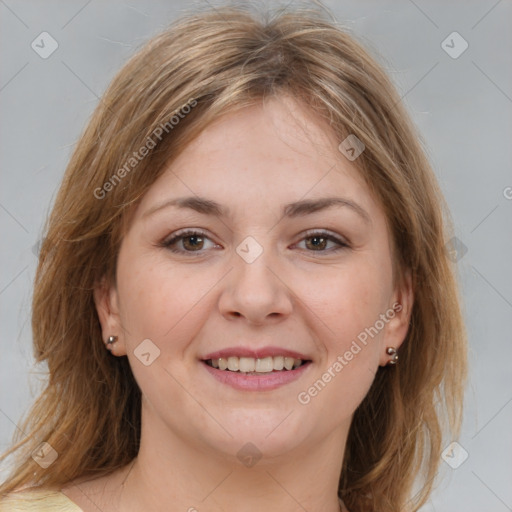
294 295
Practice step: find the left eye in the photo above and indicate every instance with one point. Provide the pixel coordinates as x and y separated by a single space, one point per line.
320 239
194 241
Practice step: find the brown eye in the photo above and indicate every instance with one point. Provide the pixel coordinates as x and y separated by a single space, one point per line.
318 241
193 242
190 241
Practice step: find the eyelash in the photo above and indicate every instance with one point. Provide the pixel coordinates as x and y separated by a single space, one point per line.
194 232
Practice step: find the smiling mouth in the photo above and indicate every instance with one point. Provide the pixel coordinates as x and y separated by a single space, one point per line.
253 366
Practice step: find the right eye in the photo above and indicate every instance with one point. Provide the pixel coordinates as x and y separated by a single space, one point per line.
190 240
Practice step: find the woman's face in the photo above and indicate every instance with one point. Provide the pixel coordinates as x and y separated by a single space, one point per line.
270 270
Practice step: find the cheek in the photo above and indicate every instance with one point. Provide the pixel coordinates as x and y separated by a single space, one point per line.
351 306
160 301
353 300
346 374
353 303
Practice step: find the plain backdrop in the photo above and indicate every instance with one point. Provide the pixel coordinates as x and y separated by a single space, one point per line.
462 104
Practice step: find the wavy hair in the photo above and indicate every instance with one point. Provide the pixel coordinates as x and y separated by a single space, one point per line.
224 59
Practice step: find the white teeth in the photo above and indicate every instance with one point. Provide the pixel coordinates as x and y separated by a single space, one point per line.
288 362
264 365
247 364
279 362
233 364
251 364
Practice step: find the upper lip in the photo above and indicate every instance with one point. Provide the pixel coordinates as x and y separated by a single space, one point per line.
256 353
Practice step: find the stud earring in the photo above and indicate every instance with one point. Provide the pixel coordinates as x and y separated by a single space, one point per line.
111 340
392 352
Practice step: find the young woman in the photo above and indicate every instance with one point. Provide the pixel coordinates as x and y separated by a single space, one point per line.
243 296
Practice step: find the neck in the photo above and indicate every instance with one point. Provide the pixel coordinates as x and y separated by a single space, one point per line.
195 477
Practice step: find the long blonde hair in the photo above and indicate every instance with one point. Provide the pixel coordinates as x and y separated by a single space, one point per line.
224 59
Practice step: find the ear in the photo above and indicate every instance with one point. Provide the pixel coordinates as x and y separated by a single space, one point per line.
399 314
107 305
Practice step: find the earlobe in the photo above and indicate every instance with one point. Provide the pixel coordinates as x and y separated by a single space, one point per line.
106 302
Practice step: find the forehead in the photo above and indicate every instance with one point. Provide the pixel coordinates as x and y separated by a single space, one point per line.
263 156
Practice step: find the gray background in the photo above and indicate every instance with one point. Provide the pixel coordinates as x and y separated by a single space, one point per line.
462 106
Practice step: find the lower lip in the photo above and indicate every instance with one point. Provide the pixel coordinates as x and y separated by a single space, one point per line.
263 382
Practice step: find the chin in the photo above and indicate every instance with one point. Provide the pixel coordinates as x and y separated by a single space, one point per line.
269 433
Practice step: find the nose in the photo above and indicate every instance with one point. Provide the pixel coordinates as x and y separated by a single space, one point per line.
256 291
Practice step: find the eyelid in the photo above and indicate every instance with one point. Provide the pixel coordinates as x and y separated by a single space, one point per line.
184 232
320 231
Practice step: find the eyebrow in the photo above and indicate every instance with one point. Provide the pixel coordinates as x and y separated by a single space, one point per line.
290 210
